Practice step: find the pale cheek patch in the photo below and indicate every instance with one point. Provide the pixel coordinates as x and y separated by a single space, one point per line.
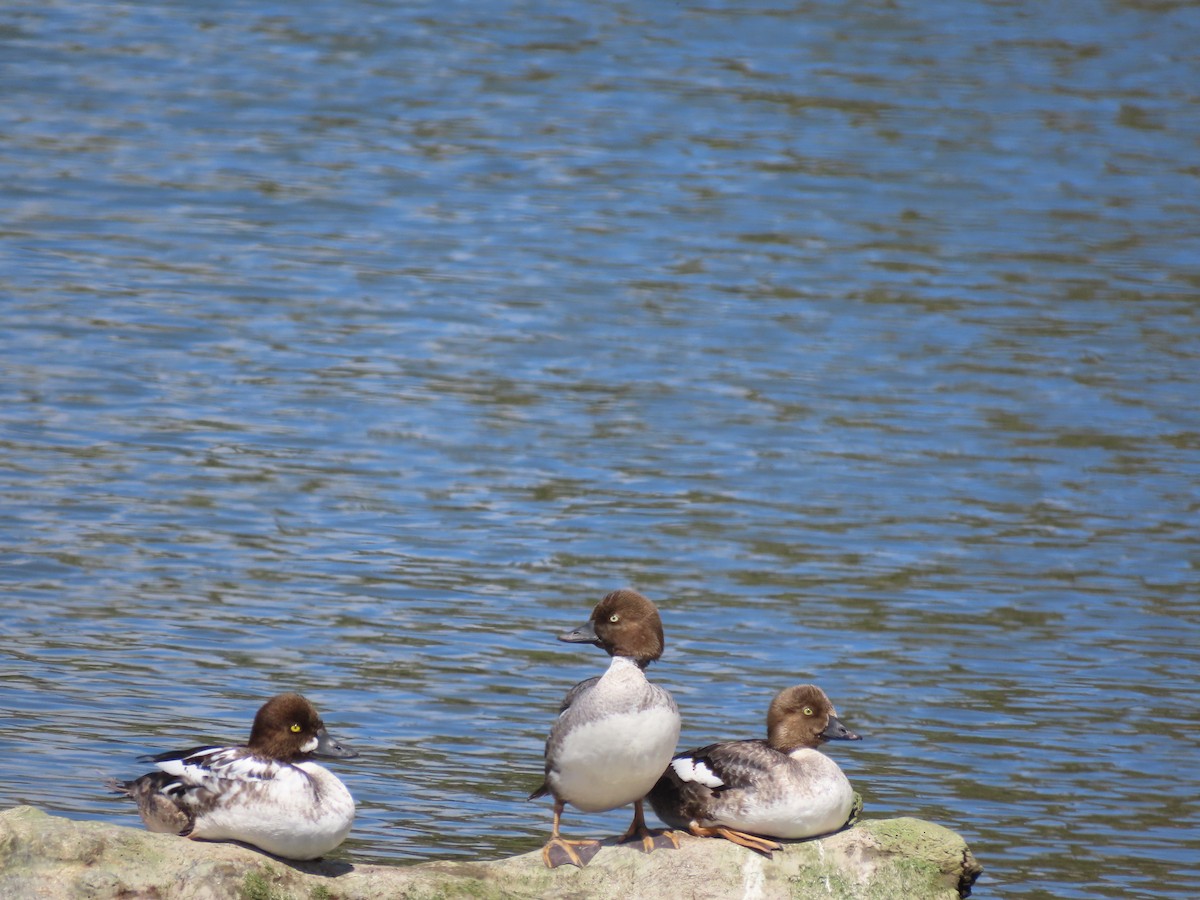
309 746
692 770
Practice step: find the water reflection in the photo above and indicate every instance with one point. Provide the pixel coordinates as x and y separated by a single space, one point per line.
357 349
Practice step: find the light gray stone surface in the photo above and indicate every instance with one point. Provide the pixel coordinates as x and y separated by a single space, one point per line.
43 856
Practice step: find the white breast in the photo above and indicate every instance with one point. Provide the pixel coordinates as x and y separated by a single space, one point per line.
614 741
615 760
301 814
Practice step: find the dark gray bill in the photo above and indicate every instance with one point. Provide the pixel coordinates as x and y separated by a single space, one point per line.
584 634
330 748
836 731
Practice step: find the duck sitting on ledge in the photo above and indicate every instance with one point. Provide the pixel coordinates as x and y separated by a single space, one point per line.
268 793
751 791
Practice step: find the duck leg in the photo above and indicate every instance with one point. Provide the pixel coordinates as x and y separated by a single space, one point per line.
561 852
760 844
651 840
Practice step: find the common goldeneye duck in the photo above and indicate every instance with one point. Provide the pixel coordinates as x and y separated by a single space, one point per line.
268 793
615 732
782 787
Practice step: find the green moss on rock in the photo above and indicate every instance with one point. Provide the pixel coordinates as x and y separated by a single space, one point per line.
877 859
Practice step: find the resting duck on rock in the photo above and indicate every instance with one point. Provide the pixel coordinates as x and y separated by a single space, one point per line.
268 793
752 791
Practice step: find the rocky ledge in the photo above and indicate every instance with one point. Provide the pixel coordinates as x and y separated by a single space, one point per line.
48 856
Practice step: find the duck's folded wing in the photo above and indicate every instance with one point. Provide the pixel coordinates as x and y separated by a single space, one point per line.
210 767
574 693
178 754
718 767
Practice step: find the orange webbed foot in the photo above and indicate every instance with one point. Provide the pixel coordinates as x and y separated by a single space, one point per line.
655 839
561 852
762 845
651 839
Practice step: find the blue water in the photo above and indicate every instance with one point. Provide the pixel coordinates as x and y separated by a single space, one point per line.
359 348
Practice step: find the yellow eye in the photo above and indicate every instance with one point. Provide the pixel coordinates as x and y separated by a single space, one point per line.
295 728
808 710
614 618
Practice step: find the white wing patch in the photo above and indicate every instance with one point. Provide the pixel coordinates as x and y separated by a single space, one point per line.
228 764
694 770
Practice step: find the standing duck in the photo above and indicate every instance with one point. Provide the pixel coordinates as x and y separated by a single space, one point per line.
615 732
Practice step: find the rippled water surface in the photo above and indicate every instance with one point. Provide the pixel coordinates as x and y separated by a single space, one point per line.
358 348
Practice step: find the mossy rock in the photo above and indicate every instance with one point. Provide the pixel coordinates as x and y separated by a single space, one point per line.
48 856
